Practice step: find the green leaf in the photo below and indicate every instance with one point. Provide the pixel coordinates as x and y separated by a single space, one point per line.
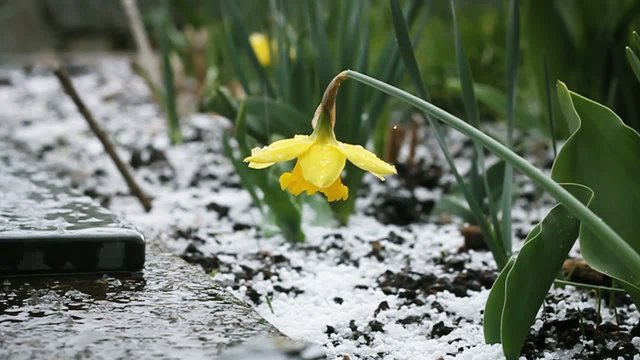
169 96
568 111
243 172
282 206
495 304
550 114
548 32
246 179
610 168
604 155
451 203
266 117
464 72
223 102
614 197
243 39
322 214
283 64
513 43
408 57
478 182
454 205
496 101
358 102
522 288
634 62
324 62
233 53
636 39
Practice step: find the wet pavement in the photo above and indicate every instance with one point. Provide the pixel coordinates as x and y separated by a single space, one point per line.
45 227
169 310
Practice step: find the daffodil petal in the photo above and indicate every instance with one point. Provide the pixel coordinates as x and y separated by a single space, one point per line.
281 150
366 160
295 183
259 166
336 191
322 164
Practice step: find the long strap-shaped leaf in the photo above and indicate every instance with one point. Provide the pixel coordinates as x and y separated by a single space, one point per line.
243 39
513 41
409 59
479 184
281 204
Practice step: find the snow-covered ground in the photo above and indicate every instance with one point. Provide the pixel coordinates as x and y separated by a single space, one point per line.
364 291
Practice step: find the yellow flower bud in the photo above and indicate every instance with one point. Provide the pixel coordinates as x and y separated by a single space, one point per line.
260 45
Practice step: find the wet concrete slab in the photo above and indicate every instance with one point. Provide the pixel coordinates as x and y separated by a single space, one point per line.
45 227
169 310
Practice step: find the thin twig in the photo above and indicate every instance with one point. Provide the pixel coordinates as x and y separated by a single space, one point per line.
68 87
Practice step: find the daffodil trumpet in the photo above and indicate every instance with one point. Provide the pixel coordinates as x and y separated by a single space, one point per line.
320 157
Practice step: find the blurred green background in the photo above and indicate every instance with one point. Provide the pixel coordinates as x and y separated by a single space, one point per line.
583 41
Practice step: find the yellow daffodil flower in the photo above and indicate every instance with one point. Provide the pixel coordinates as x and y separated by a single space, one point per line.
260 45
321 157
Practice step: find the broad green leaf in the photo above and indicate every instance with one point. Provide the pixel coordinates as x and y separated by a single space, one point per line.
568 111
531 276
495 304
604 155
600 144
220 100
322 214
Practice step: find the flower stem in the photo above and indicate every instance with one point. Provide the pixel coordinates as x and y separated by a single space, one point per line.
328 103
